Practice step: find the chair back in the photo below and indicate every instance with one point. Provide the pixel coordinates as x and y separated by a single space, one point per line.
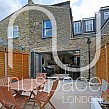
6 96
104 85
54 86
43 97
41 75
4 80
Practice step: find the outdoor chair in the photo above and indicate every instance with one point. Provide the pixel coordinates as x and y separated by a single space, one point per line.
42 98
9 101
104 85
41 76
5 80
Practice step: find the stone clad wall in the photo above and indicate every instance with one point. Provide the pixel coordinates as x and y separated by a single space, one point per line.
81 44
62 17
3 27
23 22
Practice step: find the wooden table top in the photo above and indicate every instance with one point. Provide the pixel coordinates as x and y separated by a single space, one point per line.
27 84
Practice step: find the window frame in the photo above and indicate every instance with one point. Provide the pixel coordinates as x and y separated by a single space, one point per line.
16 30
105 16
11 31
45 29
89 25
77 27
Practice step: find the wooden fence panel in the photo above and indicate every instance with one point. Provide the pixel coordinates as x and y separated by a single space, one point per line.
108 61
99 68
103 57
2 72
10 64
102 66
25 66
20 66
17 64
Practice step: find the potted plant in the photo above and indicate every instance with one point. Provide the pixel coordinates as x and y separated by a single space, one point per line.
105 95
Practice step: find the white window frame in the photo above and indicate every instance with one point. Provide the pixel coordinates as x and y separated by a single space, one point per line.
11 31
15 30
106 15
77 27
89 25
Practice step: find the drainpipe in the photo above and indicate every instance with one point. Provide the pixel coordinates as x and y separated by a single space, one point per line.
5 61
71 18
89 42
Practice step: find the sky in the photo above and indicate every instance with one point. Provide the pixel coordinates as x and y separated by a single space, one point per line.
80 8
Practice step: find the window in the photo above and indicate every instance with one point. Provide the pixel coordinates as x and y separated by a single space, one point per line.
89 25
47 29
77 27
106 15
13 32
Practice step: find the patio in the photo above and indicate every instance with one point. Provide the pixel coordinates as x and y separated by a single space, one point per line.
66 96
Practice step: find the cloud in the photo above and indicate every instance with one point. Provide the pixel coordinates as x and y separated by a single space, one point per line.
77 2
7 7
87 8
80 8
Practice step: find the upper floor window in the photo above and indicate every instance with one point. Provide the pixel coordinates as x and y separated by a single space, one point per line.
106 15
47 29
77 27
13 32
89 25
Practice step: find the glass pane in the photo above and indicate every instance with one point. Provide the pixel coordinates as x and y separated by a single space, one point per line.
15 28
77 27
48 32
15 34
47 24
89 25
106 15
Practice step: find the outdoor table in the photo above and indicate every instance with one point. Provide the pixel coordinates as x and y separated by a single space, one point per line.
27 85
